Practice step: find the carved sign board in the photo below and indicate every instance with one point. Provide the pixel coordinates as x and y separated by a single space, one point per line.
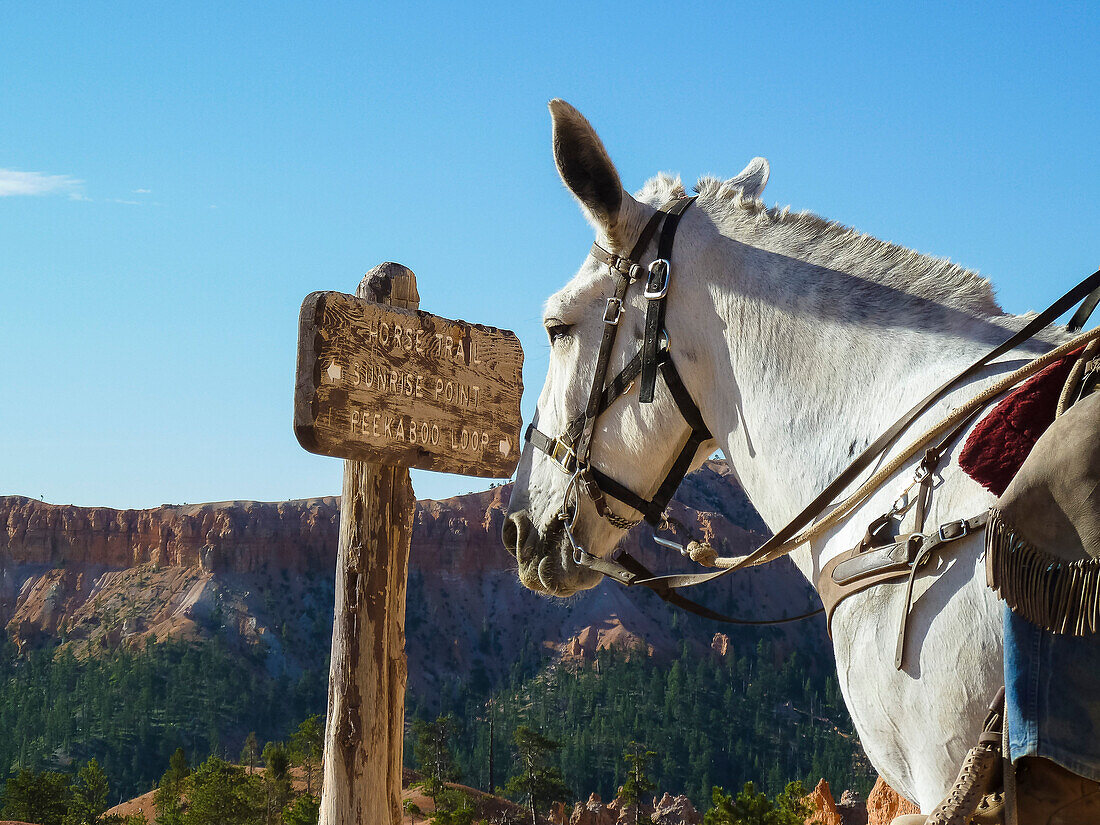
400 386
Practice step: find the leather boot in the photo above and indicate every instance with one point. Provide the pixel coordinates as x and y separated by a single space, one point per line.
991 810
1048 794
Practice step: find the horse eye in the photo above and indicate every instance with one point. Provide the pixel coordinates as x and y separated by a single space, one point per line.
558 331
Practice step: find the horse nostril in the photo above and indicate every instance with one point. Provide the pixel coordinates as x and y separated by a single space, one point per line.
517 527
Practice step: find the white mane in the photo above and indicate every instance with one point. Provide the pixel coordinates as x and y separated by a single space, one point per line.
816 240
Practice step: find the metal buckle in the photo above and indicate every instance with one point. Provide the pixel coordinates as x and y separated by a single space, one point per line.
636 272
609 317
663 269
962 524
563 455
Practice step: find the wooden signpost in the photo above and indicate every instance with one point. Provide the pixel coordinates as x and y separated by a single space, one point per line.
389 387
379 383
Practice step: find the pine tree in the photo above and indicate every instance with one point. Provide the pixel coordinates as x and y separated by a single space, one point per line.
538 781
36 797
250 751
167 798
752 807
306 746
302 811
638 781
433 755
89 795
222 794
276 780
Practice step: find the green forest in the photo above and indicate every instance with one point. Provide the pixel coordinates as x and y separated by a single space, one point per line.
131 709
761 713
711 720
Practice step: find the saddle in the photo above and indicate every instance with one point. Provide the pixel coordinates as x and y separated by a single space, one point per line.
1043 536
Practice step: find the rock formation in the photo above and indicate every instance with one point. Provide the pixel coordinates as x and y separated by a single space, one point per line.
884 803
720 644
852 809
261 575
675 810
592 812
668 810
825 812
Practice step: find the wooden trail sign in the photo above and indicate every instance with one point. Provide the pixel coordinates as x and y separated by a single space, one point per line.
400 386
361 386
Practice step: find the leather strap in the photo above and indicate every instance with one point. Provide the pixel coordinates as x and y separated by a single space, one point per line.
660 272
951 531
595 393
652 510
1081 316
571 449
638 572
558 449
860 568
649 510
628 266
699 433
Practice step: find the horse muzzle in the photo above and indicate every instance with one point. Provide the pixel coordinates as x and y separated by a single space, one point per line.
545 561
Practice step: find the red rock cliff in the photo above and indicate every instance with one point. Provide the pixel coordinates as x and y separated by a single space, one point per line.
262 573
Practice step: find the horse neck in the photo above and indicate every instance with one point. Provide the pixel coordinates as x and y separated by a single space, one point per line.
813 382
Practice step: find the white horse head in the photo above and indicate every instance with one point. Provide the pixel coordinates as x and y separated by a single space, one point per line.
632 442
800 341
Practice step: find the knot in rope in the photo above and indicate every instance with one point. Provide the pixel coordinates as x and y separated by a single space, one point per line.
702 553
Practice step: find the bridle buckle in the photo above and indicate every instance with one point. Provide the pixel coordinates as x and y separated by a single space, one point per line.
953 530
613 311
656 289
563 455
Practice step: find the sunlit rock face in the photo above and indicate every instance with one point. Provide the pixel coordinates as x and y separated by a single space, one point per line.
261 574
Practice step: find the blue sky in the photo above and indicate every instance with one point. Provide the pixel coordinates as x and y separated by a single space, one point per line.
177 177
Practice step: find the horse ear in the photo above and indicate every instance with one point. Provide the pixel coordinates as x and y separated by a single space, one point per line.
752 179
584 164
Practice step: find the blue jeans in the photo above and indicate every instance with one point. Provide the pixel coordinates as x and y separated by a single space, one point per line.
1052 696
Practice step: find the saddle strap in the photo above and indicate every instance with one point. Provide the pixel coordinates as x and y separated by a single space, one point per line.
860 568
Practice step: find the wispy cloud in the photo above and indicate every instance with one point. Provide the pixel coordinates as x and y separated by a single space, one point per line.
14 183
142 191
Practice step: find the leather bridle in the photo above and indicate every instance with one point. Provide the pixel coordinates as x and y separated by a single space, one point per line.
571 450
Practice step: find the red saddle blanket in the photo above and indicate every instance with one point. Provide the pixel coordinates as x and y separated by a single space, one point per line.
1004 437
